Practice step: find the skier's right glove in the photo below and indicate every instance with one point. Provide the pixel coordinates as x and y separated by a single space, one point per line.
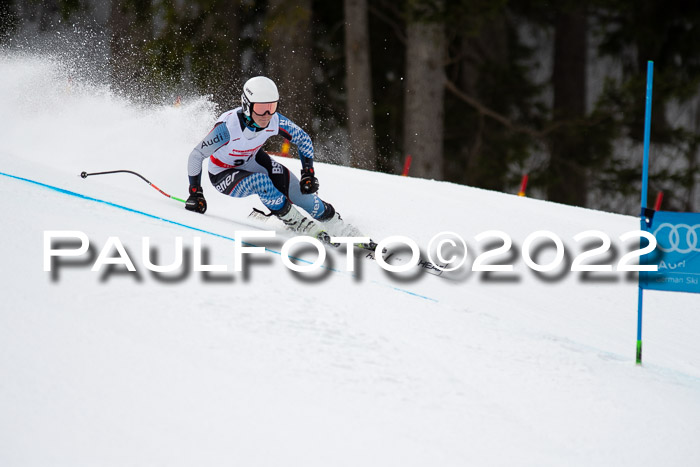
196 201
308 183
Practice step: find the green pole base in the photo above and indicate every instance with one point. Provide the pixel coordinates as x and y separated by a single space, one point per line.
639 352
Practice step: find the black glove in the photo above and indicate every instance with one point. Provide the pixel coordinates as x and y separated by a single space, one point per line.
308 183
196 201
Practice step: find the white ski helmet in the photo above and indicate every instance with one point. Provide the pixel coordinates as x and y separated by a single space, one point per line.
258 89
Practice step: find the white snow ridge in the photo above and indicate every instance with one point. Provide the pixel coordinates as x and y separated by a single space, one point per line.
268 367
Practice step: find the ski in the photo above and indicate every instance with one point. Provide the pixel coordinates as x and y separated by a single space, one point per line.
395 258
424 265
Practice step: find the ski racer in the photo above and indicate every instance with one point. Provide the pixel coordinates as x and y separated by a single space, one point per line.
239 167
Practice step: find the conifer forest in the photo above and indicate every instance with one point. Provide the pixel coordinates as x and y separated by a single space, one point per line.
477 92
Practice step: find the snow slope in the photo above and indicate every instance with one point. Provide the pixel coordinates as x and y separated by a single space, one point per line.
270 367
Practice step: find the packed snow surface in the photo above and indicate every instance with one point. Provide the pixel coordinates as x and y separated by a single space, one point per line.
329 368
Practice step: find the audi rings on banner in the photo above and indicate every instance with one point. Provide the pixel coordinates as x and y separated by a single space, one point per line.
680 238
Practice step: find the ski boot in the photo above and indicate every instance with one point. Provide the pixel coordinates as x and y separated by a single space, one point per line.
297 222
337 227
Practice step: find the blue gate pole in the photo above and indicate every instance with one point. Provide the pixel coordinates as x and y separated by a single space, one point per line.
645 179
640 301
647 132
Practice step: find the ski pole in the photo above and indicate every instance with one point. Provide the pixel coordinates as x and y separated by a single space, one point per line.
86 175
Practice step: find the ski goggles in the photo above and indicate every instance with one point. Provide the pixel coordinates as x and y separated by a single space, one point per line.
264 108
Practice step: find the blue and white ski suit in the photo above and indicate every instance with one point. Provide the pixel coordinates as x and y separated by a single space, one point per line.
239 167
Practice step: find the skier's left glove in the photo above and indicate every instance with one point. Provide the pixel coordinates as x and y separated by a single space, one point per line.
196 201
308 183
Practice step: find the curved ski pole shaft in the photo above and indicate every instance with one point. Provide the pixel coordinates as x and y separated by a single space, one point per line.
86 175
